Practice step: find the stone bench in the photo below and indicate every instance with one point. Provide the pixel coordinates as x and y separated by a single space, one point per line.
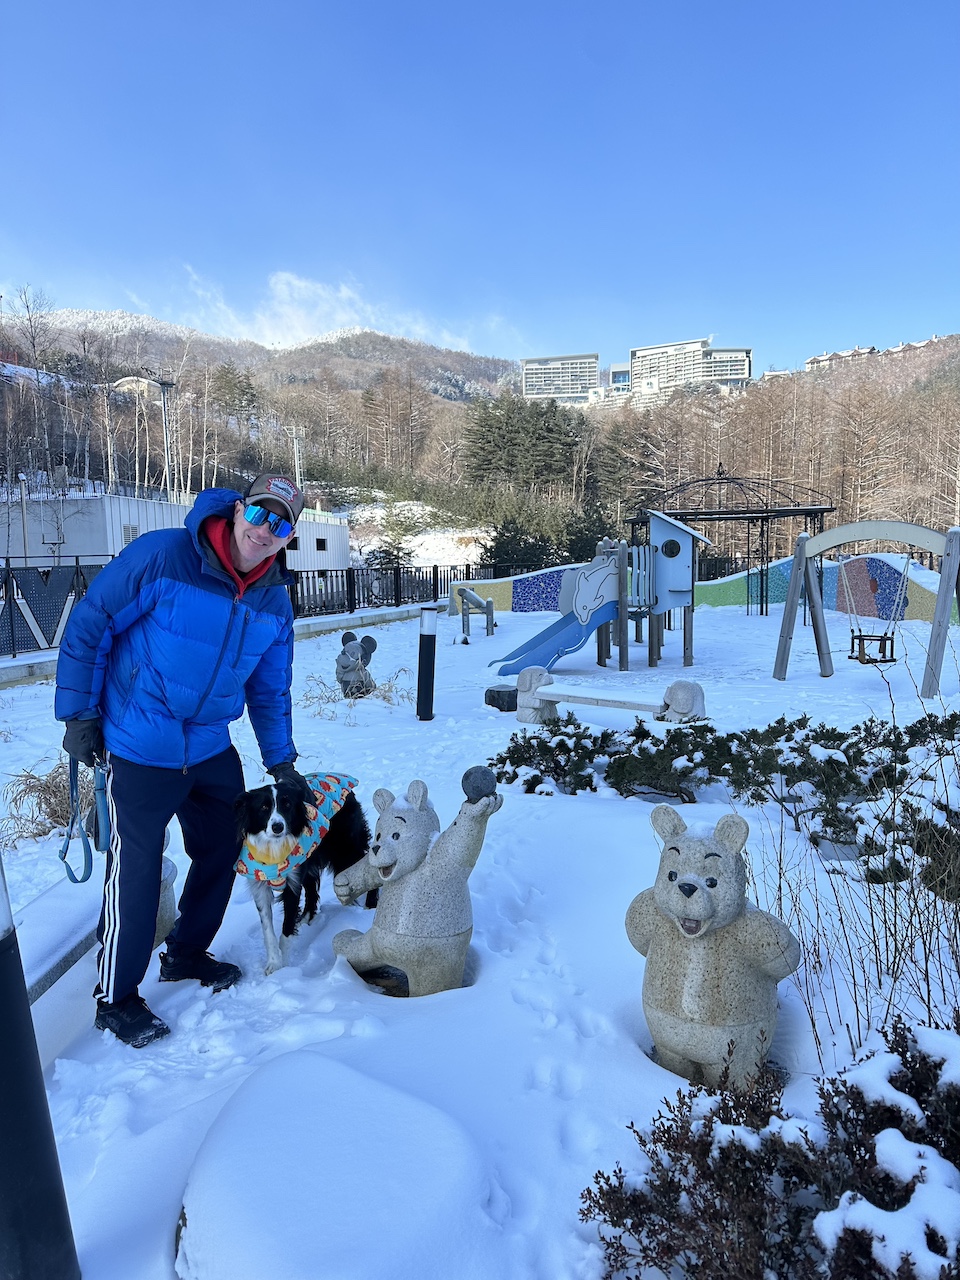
538 696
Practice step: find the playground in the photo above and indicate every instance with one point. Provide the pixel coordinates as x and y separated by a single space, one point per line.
311 1084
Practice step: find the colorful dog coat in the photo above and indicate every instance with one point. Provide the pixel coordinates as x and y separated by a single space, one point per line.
331 791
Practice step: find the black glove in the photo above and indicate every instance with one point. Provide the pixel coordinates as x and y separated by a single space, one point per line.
287 773
84 741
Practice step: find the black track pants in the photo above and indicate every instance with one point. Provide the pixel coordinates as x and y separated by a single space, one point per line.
142 800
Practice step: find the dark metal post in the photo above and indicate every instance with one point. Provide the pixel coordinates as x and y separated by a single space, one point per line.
397 586
436 582
12 608
36 1239
351 590
428 661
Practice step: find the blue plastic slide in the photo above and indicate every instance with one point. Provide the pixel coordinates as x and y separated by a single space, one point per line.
564 636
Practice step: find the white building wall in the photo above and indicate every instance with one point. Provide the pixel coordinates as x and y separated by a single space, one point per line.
656 372
565 378
98 527
333 532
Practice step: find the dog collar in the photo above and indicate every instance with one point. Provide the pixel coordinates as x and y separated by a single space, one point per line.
331 791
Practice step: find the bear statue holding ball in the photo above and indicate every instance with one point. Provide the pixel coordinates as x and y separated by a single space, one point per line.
424 918
713 960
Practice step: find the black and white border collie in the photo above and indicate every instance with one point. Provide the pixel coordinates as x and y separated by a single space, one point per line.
276 815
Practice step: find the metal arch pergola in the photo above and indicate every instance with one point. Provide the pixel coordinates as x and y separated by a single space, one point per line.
757 503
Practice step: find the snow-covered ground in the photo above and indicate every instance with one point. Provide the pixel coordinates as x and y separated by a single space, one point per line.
327 1130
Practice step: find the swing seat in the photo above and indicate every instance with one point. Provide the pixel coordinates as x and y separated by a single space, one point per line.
859 653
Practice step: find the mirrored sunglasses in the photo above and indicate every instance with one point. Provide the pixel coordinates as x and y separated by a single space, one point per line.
278 525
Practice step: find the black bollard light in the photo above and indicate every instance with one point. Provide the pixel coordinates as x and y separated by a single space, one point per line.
428 661
36 1239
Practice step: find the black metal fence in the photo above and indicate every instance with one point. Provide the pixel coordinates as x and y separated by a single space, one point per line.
35 603
320 591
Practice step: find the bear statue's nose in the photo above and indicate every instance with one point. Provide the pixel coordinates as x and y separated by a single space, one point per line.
687 889
375 848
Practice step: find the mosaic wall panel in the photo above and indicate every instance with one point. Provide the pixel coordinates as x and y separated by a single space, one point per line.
537 591
874 585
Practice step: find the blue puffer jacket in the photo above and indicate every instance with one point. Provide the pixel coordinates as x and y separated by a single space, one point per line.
164 650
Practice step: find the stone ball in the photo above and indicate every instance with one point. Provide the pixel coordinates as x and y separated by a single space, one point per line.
478 782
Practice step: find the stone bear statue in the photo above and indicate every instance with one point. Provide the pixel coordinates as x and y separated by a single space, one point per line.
424 918
713 960
352 675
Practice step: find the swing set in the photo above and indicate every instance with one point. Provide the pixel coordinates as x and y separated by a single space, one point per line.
861 641
804 576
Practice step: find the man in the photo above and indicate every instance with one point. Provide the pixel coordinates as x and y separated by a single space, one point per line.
171 640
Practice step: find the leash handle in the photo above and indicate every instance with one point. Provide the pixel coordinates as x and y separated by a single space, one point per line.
76 820
102 835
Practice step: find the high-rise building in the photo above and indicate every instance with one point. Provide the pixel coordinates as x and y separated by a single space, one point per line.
656 372
566 378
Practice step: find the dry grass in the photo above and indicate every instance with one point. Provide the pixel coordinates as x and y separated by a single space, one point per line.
322 697
39 803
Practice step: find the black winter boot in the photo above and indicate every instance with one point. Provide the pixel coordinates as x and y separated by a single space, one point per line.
130 1021
175 966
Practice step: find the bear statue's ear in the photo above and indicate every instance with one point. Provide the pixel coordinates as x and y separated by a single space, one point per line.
667 822
732 832
417 794
383 799
347 638
368 645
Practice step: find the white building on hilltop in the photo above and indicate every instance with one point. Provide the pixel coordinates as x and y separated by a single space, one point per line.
656 372
569 379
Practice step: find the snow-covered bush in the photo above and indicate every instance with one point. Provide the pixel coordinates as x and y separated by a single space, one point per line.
674 763
891 793
733 1185
564 755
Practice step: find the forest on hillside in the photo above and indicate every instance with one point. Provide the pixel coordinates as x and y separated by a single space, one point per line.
878 438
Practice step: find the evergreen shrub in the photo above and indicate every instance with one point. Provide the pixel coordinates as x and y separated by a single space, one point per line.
674 763
564 753
731 1184
888 791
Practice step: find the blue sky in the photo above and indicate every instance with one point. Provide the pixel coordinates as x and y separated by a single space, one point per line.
522 178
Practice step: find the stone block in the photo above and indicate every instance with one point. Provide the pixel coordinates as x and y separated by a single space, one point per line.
501 696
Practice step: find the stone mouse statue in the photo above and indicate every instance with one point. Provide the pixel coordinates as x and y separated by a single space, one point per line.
424 918
352 675
682 702
713 960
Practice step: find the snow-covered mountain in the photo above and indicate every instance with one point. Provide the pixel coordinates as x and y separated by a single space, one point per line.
117 323
355 355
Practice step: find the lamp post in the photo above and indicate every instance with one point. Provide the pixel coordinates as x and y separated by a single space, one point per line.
36 1239
136 385
23 516
296 437
164 384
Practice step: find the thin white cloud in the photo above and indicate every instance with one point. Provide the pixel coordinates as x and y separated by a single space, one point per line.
295 309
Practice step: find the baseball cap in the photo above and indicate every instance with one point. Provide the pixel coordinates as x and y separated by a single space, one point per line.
280 489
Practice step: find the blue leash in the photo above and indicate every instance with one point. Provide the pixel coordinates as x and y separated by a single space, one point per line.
102 825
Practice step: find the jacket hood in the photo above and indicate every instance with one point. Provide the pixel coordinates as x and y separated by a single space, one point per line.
221 502
211 502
